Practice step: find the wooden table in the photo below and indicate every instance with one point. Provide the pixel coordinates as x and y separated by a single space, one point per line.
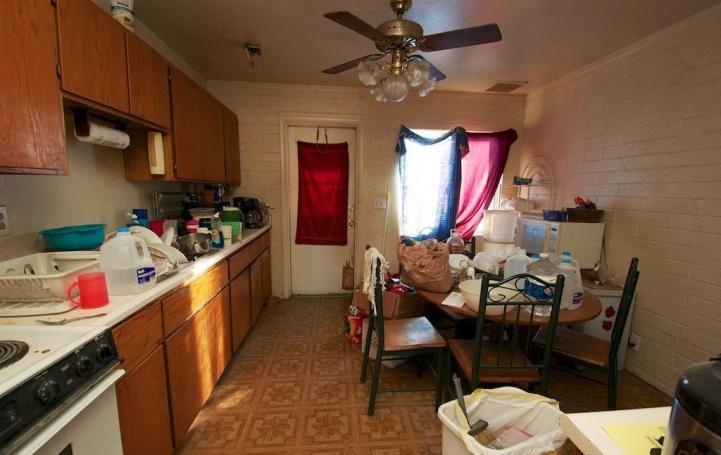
590 308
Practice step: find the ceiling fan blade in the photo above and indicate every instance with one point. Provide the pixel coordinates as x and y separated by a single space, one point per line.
482 34
352 22
348 65
435 73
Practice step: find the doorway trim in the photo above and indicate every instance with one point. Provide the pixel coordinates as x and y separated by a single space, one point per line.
288 120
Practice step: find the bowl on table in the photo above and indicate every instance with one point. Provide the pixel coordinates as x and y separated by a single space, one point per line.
471 291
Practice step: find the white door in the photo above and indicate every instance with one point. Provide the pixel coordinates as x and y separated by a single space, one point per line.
318 269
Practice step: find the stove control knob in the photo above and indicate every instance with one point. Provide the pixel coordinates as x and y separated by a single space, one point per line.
48 391
103 353
84 365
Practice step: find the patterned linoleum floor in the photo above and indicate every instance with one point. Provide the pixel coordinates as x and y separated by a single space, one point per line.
293 388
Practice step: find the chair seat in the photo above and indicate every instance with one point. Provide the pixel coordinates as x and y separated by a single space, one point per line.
577 345
462 351
410 334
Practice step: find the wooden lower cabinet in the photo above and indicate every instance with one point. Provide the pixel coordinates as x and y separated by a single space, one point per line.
197 353
256 288
265 276
241 317
143 408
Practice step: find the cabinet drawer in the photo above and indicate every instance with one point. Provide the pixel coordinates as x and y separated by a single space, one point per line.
138 336
243 258
180 306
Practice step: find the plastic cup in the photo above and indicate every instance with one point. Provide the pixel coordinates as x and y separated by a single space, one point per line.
92 290
236 226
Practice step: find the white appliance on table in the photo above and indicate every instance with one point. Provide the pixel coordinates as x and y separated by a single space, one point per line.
57 390
583 240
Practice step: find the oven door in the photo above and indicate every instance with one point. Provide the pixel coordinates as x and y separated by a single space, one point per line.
88 425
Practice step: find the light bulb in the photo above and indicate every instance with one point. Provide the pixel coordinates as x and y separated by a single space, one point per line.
395 87
417 72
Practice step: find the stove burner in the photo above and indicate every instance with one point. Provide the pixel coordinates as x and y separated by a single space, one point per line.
11 351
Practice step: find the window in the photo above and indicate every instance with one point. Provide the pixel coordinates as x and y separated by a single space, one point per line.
448 179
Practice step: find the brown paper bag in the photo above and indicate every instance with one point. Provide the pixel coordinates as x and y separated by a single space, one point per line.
426 267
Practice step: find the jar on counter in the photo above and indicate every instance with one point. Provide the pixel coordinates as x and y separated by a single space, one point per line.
456 245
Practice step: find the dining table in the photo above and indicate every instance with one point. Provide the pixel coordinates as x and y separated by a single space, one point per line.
589 309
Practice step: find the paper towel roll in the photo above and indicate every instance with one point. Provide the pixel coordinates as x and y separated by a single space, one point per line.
106 136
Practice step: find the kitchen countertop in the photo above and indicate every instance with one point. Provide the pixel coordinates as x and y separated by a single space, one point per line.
586 431
122 307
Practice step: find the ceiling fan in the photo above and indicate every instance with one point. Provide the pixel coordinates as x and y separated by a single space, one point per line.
390 72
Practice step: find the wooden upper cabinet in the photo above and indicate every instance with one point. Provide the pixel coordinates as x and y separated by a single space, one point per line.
214 151
231 142
93 58
148 83
188 100
32 135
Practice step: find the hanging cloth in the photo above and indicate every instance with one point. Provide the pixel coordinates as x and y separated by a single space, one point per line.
322 194
430 178
483 163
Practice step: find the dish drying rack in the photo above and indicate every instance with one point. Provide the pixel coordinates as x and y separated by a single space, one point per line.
36 284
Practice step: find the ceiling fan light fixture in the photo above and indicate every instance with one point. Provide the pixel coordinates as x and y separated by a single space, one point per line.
417 72
395 87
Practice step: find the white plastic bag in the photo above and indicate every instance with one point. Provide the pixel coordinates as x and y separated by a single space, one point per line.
534 414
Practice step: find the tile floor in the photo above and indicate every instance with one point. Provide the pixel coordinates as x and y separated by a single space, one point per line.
293 389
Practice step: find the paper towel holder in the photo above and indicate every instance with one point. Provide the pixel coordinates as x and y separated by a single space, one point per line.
81 119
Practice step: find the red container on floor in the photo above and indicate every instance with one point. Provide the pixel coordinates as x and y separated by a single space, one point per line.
92 290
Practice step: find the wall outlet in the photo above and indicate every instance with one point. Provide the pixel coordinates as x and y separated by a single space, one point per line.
4 222
379 203
634 342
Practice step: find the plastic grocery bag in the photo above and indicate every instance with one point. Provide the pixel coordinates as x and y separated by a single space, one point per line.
534 414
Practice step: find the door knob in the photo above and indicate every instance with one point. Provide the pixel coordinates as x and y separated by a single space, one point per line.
351 223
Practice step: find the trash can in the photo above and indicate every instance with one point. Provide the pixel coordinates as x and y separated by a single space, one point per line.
505 409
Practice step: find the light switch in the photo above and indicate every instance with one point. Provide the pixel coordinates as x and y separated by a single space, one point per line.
379 203
4 222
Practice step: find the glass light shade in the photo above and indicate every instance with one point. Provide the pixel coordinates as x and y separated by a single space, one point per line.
427 86
365 74
376 92
417 72
395 87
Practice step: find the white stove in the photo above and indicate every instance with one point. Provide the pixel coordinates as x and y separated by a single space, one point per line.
44 371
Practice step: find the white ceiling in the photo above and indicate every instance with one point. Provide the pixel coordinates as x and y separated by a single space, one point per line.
542 39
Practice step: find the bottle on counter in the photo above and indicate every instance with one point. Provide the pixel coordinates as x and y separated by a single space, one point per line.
572 296
127 264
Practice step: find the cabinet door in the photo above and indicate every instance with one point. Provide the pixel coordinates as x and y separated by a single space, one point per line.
256 288
148 82
143 408
188 99
32 136
92 54
266 277
197 354
231 143
240 308
214 151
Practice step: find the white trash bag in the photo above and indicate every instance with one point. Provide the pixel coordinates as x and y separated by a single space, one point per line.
501 407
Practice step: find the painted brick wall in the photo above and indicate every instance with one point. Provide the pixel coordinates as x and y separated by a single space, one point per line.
261 106
640 133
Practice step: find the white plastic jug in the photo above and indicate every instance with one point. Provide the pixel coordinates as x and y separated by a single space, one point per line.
127 264
572 296
516 265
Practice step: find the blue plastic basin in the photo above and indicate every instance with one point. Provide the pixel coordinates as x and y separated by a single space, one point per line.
73 238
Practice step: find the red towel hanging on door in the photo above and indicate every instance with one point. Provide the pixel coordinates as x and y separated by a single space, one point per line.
322 194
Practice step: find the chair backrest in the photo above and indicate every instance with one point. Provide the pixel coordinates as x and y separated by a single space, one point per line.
624 307
376 309
516 301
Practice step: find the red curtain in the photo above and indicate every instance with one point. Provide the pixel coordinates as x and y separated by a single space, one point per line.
322 194
481 169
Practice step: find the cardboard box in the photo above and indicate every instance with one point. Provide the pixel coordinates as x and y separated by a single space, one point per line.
395 306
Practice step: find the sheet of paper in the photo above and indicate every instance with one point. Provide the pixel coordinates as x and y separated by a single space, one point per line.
454 299
638 438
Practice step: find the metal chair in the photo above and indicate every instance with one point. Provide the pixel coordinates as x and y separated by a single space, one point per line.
400 339
595 353
505 360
